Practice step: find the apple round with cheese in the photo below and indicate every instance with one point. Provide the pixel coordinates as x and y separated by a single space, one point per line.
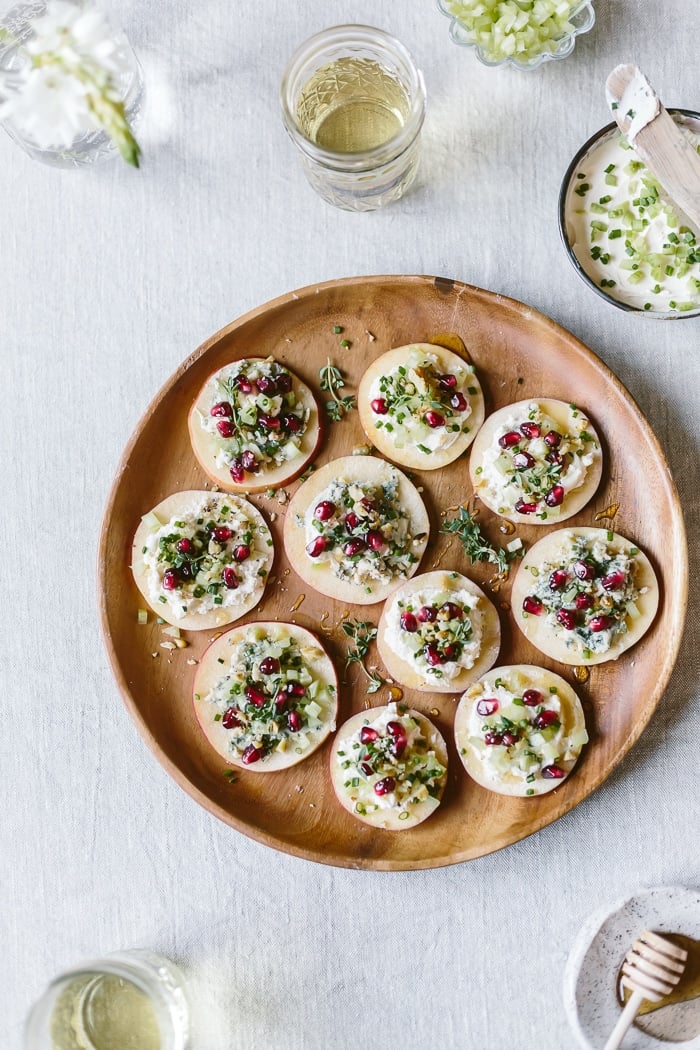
584 595
438 632
254 425
519 730
420 405
201 559
356 529
537 461
266 695
389 767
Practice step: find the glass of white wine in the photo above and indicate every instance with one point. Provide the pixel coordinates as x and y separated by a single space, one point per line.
131 1000
353 102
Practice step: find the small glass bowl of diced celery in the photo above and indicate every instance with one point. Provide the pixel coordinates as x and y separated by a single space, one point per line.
623 238
521 33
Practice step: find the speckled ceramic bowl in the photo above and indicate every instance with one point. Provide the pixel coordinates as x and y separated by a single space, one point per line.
687 117
582 18
591 973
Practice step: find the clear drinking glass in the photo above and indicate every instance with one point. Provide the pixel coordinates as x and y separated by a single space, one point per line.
88 147
353 103
131 1000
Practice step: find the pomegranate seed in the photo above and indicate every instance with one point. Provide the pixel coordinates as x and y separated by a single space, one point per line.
249 461
244 384
584 570
222 533
487 707
270 665
226 428
553 772
454 611
255 696
583 601
269 422
525 508
291 423
284 383
317 546
530 430
532 697
408 622
434 419
375 540
613 580
230 719
368 735
295 689
379 406
324 510
601 623
458 401
366 768
281 701
266 385
251 754
510 439
170 580
241 552
523 460
558 579
223 408
532 605
385 786
230 579
510 738
351 521
184 546
427 614
567 618
294 721
237 472
353 547
546 718
186 571
552 438
555 458
555 496
449 652
432 654
493 738
368 503
400 739
448 381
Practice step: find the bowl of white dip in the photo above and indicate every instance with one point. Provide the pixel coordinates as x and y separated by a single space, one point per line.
622 237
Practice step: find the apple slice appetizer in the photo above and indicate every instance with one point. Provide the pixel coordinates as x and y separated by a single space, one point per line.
254 426
389 767
201 559
266 695
420 405
537 461
438 633
356 529
584 596
519 730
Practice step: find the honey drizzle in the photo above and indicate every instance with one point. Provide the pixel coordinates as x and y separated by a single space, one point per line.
609 512
297 603
507 528
582 674
451 341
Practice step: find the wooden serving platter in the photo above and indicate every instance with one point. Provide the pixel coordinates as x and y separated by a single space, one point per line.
518 353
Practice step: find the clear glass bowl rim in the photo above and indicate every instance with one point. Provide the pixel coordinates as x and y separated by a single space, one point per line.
538 60
657 315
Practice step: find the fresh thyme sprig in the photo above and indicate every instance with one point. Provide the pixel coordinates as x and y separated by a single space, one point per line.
363 633
475 544
332 381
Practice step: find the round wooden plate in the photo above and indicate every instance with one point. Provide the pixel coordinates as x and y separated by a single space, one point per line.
518 353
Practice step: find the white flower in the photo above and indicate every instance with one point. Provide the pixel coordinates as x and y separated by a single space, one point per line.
69 85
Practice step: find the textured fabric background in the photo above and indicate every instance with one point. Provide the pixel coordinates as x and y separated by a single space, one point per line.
109 278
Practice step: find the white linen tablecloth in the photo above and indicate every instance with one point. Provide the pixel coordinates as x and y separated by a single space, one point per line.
110 278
